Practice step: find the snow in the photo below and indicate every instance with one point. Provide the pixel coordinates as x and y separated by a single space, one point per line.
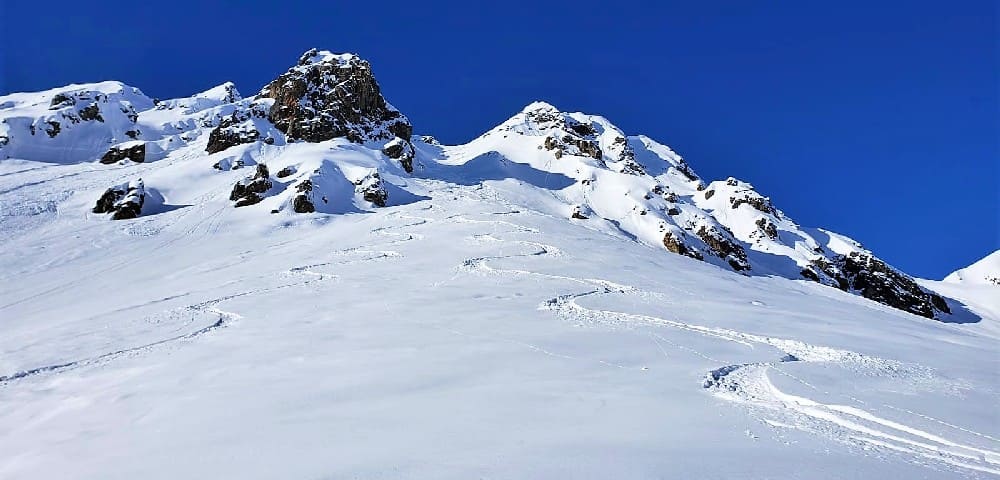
469 329
984 271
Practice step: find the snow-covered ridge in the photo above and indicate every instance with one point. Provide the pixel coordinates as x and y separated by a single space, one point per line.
984 271
650 193
323 132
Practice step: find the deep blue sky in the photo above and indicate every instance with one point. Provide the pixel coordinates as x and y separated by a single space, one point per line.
877 119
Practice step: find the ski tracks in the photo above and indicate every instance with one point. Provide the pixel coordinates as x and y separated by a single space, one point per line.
750 383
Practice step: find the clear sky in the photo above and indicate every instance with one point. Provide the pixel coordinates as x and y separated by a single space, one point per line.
877 119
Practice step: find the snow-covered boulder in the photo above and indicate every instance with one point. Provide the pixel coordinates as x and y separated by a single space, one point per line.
122 201
372 189
251 190
133 151
401 150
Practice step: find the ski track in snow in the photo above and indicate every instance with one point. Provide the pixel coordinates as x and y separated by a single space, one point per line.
749 383
225 319
745 383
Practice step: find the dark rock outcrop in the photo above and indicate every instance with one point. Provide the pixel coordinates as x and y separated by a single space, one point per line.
122 201
327 96
372 189
236 129
626 157
251 190
876 280
53 128
573 146
402 150
676 245
725 247
302 203
755 200
767 227
61 100
91 112
135 153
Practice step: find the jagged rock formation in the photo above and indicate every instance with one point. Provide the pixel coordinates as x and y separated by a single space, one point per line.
302 203
236 129
134 151
122 201
327 96
372 189
401 150
251 190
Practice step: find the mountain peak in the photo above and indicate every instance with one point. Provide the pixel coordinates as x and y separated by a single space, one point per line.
314 56
539 105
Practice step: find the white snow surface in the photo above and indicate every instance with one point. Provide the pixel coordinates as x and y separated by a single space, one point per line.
985 271
469 329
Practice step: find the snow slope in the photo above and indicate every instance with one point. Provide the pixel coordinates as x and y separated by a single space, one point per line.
976 286
499 312
984 271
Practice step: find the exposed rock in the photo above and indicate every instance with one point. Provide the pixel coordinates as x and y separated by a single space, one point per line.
583 129
327 96
709 194
875 280
673 211
573 145
626 157
685 170
285 172
236 129
250 190
302 203
91 112
755 200
725 247
117 153
61 100
122 201
54 128
767 227
578 214
401 150
677 246
373 189
810 274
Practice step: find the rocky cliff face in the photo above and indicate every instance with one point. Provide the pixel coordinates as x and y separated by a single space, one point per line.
326 96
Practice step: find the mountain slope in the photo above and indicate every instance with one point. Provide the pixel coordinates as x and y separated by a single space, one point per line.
310 291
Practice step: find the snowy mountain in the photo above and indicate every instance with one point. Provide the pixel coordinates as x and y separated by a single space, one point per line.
553 298
984 271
